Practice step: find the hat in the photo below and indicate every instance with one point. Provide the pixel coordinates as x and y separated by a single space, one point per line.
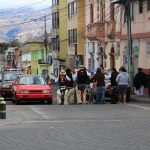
63 72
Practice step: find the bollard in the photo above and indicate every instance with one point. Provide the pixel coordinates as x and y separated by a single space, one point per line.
2 108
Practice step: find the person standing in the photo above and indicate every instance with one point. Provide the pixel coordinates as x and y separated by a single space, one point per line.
62 92
139 81
148 82
122 81
113 77
70 85
82 77
100 83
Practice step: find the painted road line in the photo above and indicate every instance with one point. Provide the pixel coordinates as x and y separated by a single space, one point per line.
70 121
139 106
39 111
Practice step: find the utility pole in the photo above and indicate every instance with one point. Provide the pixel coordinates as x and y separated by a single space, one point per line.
129 38
46 49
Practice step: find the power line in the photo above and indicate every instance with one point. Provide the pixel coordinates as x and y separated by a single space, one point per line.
33 19
37 18
29 13
25 6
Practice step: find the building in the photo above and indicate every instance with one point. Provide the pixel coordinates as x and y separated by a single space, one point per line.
140 34
34 57
3 48
68 27
102 48
59 35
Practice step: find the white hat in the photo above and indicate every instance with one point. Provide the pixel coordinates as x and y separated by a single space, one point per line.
63 72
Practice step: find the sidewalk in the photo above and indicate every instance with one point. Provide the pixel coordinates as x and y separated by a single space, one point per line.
140 99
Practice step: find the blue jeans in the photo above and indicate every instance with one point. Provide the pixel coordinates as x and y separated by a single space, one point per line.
100 95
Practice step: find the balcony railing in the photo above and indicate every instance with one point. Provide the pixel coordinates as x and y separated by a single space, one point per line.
96 31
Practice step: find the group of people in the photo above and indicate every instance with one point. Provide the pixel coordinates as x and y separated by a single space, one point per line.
75 87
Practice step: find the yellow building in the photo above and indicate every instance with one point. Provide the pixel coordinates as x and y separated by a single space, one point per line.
75 31
68 26
59 35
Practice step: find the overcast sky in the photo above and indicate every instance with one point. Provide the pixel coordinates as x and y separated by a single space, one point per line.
4 4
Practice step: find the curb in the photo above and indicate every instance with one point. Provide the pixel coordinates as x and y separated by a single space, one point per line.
140 101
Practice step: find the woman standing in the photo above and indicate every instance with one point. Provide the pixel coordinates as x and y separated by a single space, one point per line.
122 81
100 90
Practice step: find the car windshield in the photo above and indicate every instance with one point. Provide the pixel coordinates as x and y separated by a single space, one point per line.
31 80
11 76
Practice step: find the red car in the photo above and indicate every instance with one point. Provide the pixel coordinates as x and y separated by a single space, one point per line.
31 88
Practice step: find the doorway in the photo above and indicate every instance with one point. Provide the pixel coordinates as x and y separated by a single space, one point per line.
112 58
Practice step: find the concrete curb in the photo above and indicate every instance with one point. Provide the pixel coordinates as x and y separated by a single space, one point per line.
140 101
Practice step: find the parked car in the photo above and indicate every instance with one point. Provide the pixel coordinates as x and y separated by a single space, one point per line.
31 88
8 77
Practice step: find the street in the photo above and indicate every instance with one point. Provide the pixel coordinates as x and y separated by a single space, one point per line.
76 127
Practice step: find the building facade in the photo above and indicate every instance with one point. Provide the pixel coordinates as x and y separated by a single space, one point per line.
68 25
101 47
59 35
140 35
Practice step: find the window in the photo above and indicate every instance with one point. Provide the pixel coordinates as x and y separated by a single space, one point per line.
72 9
55 2
148 5
140 6
55 43
148 47
91 13
55 20
72 36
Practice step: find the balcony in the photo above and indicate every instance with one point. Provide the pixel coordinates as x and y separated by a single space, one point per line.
96 32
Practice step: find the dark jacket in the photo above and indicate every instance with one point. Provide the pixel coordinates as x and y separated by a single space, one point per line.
69 83
139 80
82 77
113 78
99 78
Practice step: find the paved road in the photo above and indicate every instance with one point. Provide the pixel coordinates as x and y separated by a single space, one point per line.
76 127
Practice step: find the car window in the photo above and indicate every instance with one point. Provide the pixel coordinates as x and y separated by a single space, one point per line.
11 76
31 80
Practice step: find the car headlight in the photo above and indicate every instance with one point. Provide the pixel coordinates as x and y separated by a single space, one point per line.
46 91
5 86
24 91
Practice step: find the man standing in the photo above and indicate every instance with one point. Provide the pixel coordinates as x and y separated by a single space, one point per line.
148 82
139 82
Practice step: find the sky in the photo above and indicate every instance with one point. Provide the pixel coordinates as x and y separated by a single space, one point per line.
5 4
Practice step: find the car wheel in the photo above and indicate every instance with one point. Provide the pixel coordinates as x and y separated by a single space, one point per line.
50 101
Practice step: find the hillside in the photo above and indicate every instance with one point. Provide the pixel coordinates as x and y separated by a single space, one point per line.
12 24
